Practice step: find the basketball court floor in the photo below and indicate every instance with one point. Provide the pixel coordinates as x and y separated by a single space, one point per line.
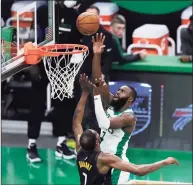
17 170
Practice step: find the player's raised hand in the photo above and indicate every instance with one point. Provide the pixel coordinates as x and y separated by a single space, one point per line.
171 160
85 84
98 43
97 86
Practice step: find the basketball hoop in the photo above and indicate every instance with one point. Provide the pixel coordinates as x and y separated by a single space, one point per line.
62 63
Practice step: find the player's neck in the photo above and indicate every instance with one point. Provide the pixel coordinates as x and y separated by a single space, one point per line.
97 149
122 109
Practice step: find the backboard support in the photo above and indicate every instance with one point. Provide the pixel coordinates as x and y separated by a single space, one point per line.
30 27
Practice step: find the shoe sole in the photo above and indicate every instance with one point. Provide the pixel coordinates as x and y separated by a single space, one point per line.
36 160
64 156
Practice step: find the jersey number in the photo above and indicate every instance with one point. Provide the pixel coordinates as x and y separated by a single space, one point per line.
85 178
111 131
103 135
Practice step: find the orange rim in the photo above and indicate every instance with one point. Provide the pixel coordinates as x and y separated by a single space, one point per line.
34 54
49 49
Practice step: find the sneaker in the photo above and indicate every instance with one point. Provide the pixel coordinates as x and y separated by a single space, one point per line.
32 154
63 151
71 143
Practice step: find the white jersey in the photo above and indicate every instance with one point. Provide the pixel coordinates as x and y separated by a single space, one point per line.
115 141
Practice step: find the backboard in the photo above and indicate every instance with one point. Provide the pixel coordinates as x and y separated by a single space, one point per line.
30 21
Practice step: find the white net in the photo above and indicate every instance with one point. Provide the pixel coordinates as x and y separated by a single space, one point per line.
62 70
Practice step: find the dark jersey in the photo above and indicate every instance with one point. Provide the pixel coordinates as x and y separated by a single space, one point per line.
88 171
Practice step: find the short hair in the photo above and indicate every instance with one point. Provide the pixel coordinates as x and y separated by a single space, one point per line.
118 19
94 7
134 93
88 140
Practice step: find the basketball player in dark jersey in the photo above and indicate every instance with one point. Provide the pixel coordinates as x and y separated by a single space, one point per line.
93 165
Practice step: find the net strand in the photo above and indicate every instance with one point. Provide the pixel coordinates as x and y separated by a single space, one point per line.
62 70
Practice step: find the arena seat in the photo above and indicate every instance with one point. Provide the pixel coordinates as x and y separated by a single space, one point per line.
178 39
185 15
184 24
154 38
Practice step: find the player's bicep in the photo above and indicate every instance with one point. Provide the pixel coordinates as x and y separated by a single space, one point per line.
125 120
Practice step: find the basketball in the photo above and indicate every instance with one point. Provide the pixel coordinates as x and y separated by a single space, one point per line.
87 23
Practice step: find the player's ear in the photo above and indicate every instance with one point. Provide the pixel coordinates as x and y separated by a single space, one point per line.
97 142
130 99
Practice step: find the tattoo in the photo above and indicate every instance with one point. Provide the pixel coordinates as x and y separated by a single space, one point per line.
77 128
76 113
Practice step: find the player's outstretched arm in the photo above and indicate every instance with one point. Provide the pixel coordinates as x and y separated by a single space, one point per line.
79 111
140 170
98 48
125 120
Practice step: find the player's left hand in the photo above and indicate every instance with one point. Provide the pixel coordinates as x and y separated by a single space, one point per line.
85 84
98 43
171 160
185 58
97 86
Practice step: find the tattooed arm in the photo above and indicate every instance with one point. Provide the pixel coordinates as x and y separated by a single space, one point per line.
79 112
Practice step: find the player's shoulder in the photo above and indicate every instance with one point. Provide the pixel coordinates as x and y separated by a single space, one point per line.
103 156
107 158
129 116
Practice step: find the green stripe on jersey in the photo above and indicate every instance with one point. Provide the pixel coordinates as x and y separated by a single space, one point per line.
119 152
121 144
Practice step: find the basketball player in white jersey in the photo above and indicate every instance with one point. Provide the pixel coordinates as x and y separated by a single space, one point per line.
116 122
